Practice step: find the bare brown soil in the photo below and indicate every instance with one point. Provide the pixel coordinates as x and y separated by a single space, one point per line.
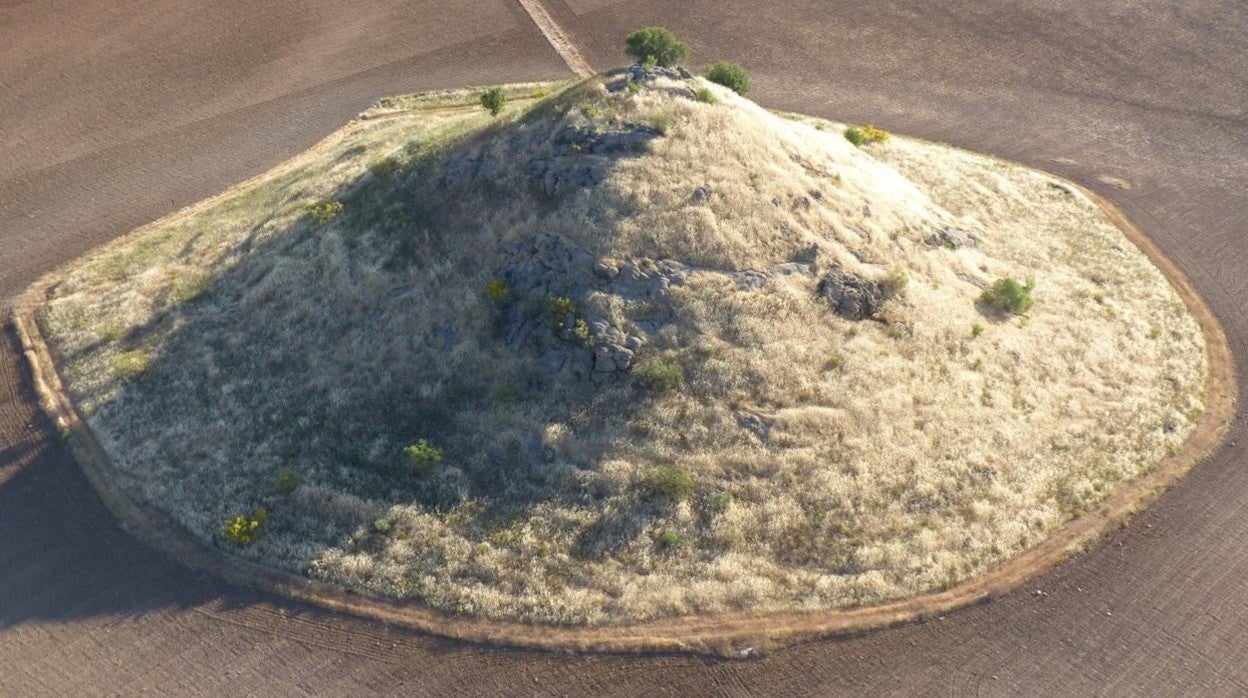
1147 94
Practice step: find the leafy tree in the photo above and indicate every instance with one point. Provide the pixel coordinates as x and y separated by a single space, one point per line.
658 43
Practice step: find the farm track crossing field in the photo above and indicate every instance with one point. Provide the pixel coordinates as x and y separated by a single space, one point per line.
1143 104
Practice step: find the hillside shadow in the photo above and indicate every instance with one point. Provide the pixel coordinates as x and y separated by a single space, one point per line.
224 333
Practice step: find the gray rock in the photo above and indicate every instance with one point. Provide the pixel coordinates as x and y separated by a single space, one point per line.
701 194
952 238
755 424
851 297
808 255
749 280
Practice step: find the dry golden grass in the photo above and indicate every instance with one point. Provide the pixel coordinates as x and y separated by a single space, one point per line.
245 338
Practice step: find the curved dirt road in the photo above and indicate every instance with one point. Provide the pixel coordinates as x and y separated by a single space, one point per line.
110 118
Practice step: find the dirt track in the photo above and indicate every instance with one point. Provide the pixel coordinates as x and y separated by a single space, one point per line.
107 124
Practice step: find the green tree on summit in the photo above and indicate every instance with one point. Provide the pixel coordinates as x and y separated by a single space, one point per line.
657 43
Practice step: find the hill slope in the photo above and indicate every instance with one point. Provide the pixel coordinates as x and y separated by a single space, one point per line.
658 356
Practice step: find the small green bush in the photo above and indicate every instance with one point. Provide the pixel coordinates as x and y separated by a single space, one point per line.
670 540
896 283
1008 296
580 332
559 308
422 457
634 88
662 123
729 75
835 362
244 530
286 481
660 375
129 364
977 329
862 135
382 526
493 100
507 394
497 291
649 64
705 96
657 43
670 482
324 211
874 135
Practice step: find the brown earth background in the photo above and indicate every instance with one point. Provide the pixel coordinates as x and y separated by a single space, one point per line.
113 114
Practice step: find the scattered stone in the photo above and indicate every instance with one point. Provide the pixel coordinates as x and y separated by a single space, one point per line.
851 297
701 194
808 255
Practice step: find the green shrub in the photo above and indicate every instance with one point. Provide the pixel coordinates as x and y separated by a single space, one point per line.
896 283
129 364
286 481
493 100
670 540
729 75
705 96
835 362
657 43
542 91
244 530
507 394
649 64
634 88
422 457
324 211
662 122
1008 296
977 329
862 135
580 332
558 308
660 375
874 135
382 526
670 482
497 291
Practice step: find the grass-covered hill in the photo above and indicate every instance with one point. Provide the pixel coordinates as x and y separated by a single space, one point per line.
624 352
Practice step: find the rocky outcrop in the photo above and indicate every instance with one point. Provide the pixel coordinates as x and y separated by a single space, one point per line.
851 297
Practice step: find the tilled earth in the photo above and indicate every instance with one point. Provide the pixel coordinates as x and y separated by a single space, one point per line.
116 113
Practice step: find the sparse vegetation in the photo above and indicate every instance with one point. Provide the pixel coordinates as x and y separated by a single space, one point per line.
324 211
658 44
494 100
660 375
662 122
670 482
705 96
332 350
1008 296
243 530
729 75
286 482
130 364
422 457
497 291
865 135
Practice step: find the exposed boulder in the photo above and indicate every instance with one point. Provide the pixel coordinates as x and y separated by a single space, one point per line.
851 297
